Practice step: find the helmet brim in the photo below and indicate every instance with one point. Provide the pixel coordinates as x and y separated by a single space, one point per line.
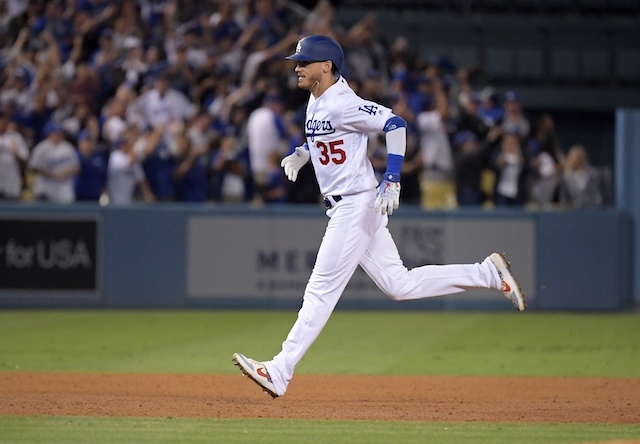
300 57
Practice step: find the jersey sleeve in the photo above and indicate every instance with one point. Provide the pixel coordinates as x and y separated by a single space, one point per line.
364 116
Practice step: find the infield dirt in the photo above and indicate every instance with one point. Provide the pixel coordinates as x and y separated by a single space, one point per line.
409 398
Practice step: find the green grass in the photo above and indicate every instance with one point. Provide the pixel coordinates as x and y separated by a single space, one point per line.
70 430
440 343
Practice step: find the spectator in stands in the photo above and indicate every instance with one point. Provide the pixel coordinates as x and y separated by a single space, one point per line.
127 25
580 186
162 105
364 49
115 123
13 158
194 41
56 21
152 13
16 92
261 53
54 162
134 65
91 181
514 116
125 176
181 72
412 167
234 124
491 110
305 189
223 24
82 119
276 185
322 21
469 118
546 160
228 172
190 173
32 125
201 132
84 86
434 139
511 169
155 59
423 97
268 17
156 153
470 161
267 134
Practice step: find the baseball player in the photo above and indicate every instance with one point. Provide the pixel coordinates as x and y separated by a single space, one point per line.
337 124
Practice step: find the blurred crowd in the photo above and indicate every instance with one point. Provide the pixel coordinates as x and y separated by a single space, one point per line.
192 101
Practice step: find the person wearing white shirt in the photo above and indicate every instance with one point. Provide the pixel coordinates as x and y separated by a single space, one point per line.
125 174
266 134
163 105
13 156
54 162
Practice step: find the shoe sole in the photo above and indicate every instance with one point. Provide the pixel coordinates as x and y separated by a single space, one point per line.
236 362
514 296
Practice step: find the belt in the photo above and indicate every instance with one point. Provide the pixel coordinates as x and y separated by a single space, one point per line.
331 201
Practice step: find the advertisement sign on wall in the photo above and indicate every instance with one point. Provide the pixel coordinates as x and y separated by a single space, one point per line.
49 255
272 257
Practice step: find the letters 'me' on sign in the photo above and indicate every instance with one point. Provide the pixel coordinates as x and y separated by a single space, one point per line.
48 254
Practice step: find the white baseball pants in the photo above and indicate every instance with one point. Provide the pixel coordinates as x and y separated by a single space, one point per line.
356 235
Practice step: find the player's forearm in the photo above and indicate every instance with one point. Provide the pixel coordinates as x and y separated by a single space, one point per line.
396 138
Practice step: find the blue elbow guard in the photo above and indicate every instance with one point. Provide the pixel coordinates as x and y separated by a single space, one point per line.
394 122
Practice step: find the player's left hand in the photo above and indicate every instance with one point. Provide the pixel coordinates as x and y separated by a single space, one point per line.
293 162
387 198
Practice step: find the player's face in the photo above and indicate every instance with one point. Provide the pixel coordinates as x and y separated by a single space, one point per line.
310 73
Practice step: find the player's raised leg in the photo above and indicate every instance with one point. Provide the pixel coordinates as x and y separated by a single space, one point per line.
383 264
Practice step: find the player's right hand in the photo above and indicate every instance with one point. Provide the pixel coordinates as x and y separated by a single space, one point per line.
293 162
387 198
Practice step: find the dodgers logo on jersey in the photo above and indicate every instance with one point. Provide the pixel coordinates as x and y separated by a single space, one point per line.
318 127
369 109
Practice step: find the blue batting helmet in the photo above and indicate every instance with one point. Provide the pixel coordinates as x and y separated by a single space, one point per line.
318 48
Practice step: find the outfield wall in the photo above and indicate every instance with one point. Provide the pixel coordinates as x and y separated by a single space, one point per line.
183 256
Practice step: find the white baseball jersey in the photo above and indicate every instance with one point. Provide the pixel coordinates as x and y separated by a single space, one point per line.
123 175
12 148
337 128
156 110
264 139
54 157
434 141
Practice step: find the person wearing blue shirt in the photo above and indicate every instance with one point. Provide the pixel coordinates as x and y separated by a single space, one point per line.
90 182
190 174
